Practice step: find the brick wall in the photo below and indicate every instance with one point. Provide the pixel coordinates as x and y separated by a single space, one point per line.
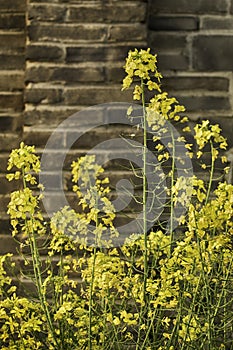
72 58
12 68
73 55
194 42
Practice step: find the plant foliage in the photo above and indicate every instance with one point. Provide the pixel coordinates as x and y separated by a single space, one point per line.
158 291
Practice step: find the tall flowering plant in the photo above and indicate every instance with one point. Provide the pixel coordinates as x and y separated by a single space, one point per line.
168 288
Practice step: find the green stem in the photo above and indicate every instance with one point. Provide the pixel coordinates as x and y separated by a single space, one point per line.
221 296
172 184
61 323
144 305
92 284
39 285
37 272
207 293
211 173
191 312
144 191
91 301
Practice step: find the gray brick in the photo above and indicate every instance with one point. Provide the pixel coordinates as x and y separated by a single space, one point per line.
97 53
94 95
108 13
6 186
9 141
11 81
44 53
166 41
193 83
187 6
217 23
12 40
46 13
4 200
95 136
12 21
3 162
115 74
205 103
4 225
37 138
10 123
66 33
8 244
40 136
11 61
136 32
173 61
48 116
81 74
173 23
53 115
13 5
65 74
11 101
37 95
213 53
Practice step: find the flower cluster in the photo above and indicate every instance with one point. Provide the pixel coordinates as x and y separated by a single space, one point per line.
141 65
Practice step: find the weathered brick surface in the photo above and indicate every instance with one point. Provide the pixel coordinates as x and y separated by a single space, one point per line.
115 73
213 52
193 41
84 94
9 140
12 80
219 23
109 13
3 162
12 61
6 186
8 244
47 13
46 53
98 52
77 43
187 6
10 122
161 41
12 40
13 6
173 23
44 95
66 32
12 21
193 82
43 114
12 64
64 73
176 61
117 33
11 101
203 103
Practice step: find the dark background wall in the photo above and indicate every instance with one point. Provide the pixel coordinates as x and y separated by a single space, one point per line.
194 42
12 68
57 57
